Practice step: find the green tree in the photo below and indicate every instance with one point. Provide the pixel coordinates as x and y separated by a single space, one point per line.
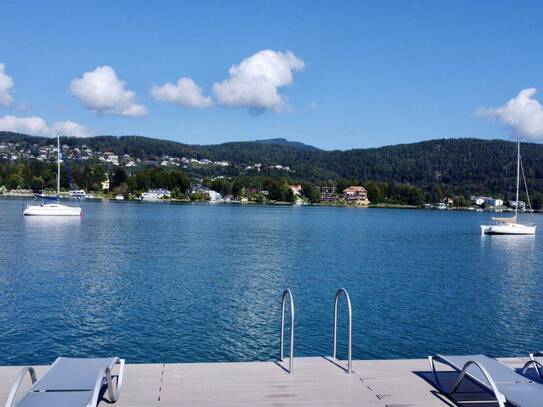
311 192
537 201
179 180
119 177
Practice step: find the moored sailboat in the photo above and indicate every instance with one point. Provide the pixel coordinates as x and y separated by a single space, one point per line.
51 205
511 225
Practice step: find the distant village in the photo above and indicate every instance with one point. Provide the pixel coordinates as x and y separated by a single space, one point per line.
20 151
355 195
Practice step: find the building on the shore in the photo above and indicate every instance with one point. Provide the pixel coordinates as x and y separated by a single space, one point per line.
156 194
296 189
328 194
486 201
513 204
478 200
206 193
448 201
214 196
356 195
105 183
496 202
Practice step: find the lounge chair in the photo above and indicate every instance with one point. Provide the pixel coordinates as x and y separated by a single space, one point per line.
70 382
537 365
507 385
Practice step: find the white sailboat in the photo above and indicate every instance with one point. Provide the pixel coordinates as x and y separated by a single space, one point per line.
510 225
52 206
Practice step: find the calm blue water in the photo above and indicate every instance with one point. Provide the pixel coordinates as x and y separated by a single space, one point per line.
161 282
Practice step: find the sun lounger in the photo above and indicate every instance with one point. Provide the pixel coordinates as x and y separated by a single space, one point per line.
70 382
535 363
507 385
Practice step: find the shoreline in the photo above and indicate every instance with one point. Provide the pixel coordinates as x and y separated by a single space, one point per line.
253 203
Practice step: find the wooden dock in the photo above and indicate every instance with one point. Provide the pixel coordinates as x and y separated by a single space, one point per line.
316 381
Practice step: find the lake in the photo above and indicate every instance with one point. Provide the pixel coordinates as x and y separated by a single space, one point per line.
179 283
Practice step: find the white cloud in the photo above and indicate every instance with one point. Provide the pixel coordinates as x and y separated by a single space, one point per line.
36 126
6 87
102 92
32 125
185 93
523 113
70 129
255 82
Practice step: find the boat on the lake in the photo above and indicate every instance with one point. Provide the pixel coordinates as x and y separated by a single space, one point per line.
511 225
78 193
50 205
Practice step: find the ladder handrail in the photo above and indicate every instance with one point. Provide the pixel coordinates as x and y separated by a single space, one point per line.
349 308
288 293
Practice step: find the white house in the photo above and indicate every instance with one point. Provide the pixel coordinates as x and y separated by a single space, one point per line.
105 183
521 204
494 202
155 194
477 200
215 197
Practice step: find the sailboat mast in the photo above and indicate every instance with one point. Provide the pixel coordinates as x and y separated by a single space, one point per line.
518 176
58 167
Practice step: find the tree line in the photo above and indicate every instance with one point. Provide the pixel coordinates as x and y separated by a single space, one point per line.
39 176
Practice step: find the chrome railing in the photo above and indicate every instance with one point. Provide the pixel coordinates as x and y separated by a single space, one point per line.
291 355
350 346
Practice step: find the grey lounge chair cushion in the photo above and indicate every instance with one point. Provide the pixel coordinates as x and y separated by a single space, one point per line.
499 372
55 399
69 374
523 394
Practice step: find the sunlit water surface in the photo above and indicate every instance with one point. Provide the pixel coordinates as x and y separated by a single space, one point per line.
175 283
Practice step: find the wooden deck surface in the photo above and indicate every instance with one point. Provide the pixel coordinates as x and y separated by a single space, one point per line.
316 381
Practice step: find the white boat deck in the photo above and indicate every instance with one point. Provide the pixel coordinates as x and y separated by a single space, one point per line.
316 381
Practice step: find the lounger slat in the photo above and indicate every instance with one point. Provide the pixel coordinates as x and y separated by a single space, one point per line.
72 374
56 399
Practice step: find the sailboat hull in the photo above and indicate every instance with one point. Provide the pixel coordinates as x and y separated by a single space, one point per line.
51 210
508 229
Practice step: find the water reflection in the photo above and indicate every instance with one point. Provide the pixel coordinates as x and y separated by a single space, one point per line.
516 273
39 223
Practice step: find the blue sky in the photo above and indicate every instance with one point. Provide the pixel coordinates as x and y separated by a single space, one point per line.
365 74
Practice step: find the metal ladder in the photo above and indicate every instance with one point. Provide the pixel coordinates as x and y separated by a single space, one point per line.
350 313
288 294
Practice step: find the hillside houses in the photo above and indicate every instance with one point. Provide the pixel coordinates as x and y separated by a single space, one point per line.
48 153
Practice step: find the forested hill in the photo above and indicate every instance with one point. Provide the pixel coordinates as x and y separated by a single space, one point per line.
464 165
